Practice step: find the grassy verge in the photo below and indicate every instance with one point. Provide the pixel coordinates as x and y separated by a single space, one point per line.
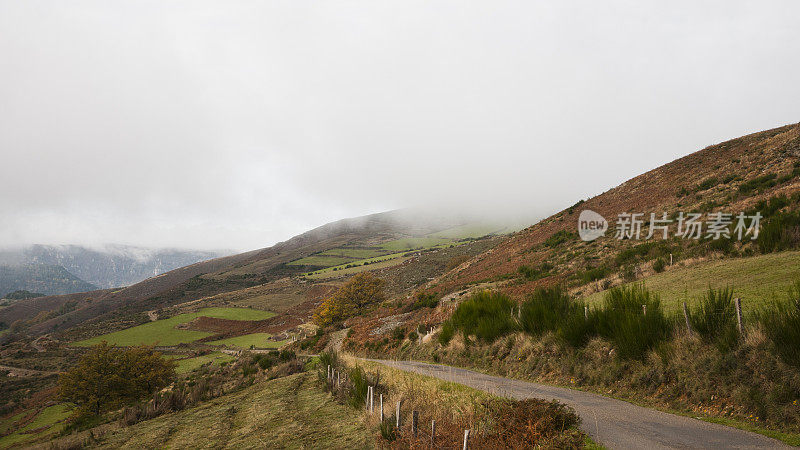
289 412
756 280
494 422
163 332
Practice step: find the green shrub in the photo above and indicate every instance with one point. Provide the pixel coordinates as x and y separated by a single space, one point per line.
553 310
781 324
623 321
758 183
780 232
559 238
447 333
398 333
706 184
328 359
545 310
577 329
425 300
535 273
715 318
594 274
486 315
388 430
659 265
359 383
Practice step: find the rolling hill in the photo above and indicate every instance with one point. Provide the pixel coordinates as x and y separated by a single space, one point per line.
734 176
406 230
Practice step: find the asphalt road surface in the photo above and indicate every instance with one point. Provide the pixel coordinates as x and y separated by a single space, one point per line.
614 423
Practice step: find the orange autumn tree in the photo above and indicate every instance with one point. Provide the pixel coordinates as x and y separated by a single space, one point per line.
351 299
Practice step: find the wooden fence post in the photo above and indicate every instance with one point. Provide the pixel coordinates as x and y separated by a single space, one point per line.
586 312
414 418
686 316
466 439
397 425
738 304
371 399
381 407
338 380
433 432
329 372
644 309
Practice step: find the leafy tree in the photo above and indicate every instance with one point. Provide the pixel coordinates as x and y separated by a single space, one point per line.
108 377
351 299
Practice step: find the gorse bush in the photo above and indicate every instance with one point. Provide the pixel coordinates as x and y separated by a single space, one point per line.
535 273
447 333
424 300
715 318
559 238
486 315
780 232
546 310
358 387
624 322
781 324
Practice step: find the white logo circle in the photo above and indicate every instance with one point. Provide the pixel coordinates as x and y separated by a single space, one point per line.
591 225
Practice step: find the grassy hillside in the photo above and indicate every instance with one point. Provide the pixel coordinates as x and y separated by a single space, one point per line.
756 280
163 332
290 412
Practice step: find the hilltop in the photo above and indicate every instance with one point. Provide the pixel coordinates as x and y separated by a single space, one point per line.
732 176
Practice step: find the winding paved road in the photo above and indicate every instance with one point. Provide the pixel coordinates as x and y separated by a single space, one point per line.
613 423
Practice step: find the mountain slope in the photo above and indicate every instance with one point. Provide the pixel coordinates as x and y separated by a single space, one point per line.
42 278
234 272
731 177
108 267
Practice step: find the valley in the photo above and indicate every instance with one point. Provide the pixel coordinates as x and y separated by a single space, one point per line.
536 304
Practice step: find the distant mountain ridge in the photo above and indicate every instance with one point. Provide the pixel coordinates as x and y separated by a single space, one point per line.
41 278
109 267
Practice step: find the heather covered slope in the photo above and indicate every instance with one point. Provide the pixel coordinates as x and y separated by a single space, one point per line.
731 177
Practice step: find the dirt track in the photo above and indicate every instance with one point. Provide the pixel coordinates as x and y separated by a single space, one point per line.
613 423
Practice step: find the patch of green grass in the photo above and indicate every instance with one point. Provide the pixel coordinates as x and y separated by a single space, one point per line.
407 244
7 423
756 280
792 439
189 364
321 260
47 420
356 253
257 340
163 332
359 266
289 412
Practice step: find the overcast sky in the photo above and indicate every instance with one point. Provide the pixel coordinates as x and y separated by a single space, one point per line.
236 124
